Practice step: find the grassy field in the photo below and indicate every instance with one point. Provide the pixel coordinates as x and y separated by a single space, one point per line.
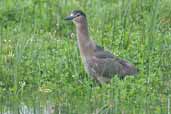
38 53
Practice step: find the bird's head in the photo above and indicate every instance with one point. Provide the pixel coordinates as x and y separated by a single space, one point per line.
77 16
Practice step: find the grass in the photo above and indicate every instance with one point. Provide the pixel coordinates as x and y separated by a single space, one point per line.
39 54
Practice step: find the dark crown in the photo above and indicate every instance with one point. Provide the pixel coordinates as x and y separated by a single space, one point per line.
74 12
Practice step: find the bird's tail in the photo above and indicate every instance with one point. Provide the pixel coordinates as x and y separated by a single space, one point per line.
128 69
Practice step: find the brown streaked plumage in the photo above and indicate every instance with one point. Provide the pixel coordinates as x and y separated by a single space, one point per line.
99 63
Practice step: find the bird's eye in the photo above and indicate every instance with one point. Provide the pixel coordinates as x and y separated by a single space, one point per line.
78 15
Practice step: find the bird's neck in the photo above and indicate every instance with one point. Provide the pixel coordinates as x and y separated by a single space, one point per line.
84 42
82 33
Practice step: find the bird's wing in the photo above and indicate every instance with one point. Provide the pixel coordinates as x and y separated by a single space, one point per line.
108 67
100 52
106 62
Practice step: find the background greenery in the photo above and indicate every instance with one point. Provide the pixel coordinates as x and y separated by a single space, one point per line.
39 54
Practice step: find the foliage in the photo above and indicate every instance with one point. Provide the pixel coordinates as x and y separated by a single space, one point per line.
38 52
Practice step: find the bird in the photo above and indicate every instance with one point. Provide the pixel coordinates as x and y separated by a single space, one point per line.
100 64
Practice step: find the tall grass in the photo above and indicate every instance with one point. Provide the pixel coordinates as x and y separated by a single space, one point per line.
38 53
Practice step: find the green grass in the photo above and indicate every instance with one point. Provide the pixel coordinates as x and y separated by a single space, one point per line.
37 53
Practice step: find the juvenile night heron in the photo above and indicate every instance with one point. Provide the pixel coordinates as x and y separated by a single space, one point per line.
99 63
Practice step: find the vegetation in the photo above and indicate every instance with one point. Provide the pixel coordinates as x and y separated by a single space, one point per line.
39 55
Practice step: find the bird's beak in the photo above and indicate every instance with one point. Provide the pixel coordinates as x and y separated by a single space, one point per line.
69 17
